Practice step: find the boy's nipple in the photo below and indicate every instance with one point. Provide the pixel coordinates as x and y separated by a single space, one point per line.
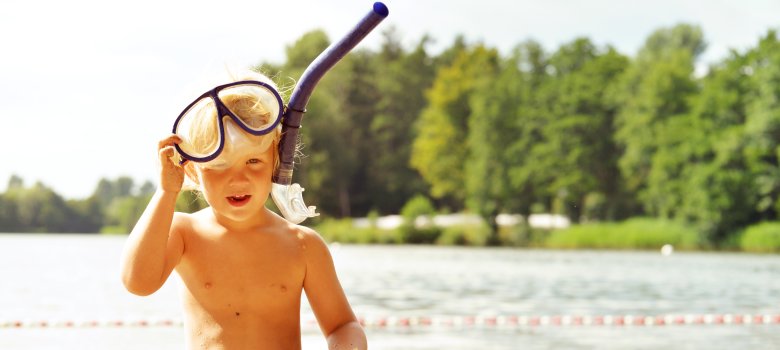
281 287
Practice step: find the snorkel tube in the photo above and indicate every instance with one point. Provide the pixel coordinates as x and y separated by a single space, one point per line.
287 196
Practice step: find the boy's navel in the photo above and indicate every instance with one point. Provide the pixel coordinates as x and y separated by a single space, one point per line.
207 285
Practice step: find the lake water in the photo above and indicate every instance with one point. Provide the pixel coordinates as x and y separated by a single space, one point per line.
75 278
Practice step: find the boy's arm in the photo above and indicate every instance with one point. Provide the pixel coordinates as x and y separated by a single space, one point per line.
154 247
327 299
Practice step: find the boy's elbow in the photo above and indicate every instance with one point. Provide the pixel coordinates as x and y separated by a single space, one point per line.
136 287
139 290
349 335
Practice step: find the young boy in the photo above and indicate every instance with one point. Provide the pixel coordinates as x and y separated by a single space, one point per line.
243 267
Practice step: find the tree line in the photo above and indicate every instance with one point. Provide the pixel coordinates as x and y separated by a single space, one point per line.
113 207
582 131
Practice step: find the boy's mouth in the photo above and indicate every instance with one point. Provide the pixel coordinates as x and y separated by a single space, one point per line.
238 200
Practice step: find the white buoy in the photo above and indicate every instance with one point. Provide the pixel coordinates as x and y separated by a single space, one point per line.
667 250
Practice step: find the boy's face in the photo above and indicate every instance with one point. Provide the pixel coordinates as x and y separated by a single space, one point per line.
239 190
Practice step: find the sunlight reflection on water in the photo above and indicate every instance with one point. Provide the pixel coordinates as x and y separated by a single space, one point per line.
58 277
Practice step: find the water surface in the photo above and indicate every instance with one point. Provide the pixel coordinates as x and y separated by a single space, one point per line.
76 277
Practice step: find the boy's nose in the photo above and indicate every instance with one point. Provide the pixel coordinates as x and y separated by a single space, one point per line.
238 177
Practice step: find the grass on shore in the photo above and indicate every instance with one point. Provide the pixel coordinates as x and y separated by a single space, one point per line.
761 238
639 233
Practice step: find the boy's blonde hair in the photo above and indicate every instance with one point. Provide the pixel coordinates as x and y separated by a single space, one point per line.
203 132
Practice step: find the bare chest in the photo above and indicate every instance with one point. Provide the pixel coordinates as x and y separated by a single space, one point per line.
243 274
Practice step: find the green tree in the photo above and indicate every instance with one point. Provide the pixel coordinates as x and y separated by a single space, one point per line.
400 79
88 215
762 124
124 212
8 214
724 154
578 154
492 128
15 183
118 203
440 148
306 49
528 113
147 189
655 93
40 209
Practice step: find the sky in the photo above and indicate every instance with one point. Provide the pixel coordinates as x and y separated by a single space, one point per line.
88 87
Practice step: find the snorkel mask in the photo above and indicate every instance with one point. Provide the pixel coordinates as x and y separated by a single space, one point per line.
230 122
206 123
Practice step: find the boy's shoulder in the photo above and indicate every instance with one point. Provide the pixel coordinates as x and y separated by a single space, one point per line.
181 219
304 231
311 241
306 234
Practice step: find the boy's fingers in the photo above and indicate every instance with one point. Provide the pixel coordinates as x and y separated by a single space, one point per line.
170 140
166 152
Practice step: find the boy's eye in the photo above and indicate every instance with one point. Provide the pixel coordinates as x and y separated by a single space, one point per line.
253 161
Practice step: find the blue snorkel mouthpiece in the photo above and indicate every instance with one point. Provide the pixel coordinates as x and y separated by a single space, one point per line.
287 196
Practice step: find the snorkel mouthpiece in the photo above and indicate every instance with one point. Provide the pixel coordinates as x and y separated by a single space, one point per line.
287 196
289 200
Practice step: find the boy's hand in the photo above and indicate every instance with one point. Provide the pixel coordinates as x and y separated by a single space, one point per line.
171 173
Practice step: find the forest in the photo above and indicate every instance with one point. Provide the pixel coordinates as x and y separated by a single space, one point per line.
582 131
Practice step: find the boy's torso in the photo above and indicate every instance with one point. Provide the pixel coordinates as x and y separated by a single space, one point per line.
242 290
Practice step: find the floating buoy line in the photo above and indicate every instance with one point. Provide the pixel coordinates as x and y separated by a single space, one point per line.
510 321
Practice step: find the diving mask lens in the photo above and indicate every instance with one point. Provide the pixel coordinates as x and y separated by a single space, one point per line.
199 130
257 106
254 106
